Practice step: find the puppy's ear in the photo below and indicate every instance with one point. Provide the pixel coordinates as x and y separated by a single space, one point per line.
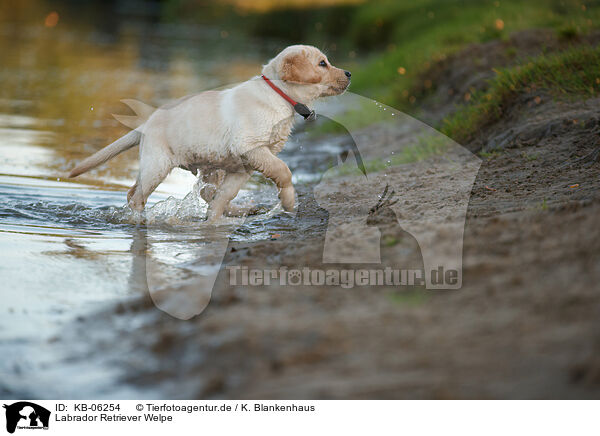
297 69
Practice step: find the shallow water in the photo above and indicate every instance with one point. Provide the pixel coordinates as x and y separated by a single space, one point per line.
68 246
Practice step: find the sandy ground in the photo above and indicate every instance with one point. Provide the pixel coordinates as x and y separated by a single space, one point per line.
524 324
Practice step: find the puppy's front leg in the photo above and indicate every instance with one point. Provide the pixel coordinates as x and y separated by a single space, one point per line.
262 160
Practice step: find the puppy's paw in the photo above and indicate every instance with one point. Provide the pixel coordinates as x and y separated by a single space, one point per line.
286 195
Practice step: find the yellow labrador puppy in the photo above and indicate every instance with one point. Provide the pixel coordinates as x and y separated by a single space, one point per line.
226 135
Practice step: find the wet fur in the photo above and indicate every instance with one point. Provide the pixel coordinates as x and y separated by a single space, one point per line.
226 135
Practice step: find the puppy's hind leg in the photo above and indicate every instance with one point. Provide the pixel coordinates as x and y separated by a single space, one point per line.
212 180
230 187
154 167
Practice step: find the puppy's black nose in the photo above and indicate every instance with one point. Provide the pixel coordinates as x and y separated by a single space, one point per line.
348 74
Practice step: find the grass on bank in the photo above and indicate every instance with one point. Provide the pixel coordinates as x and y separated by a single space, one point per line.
570 74
418 33
424 147
389 43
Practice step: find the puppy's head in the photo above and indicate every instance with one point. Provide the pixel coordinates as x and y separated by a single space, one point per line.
308 70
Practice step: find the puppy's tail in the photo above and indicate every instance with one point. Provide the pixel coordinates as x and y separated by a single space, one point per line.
119 146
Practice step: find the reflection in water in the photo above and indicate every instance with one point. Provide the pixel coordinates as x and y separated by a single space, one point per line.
69 79
67 248
178 271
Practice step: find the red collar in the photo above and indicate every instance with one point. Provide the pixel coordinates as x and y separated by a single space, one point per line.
300 108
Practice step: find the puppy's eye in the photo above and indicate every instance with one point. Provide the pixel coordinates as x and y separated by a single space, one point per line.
323 64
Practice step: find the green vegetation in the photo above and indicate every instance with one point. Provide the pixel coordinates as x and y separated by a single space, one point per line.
418 32
358 117
412 297
390 241
568 74
426 146
389 43
362 114
488 155
530 156
396 41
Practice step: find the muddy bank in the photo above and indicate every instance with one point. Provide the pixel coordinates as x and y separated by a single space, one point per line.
454 79
524 324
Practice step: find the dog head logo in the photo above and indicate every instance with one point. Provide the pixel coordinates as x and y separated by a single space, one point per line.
414 178
26 415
